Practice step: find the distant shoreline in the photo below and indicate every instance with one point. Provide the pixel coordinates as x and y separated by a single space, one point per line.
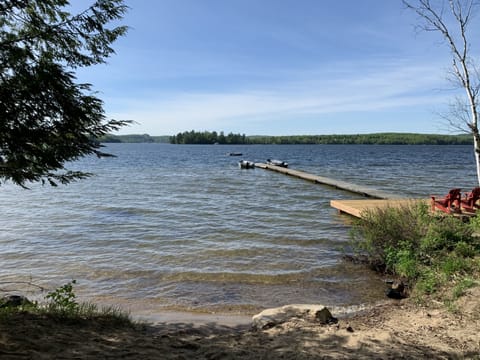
211 138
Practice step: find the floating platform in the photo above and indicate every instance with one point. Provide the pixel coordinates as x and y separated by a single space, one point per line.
357 207
338 184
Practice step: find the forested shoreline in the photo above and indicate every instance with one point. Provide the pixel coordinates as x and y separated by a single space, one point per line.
206 137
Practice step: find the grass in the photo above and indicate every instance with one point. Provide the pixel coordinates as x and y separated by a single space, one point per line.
437 256
61 305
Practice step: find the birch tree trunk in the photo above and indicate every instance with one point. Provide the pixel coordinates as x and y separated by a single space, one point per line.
457 14
477 157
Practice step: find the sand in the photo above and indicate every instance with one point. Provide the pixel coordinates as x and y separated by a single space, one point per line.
397 329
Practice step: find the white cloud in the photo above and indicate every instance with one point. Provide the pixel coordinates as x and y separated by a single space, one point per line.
334 89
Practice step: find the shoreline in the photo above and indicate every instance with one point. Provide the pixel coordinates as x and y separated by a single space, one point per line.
199 318
192 318
399 329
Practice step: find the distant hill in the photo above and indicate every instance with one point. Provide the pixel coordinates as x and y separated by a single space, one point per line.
372 139
206 137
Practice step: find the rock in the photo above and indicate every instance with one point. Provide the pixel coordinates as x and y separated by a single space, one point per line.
396 290
275 316
14 301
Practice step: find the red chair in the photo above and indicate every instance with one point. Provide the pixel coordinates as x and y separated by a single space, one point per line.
450 203
469 203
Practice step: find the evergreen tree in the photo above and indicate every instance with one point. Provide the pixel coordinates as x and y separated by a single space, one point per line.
47 118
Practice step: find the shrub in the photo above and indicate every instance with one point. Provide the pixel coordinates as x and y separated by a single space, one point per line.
444 233
428 282
62 300
464 249
453 264
425 250
406 264
62 303
475 222
381 232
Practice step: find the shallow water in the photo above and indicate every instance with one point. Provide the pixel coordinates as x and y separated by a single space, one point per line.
182 227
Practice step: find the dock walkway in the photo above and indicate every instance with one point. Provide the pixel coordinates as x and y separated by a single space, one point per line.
338 184
377 198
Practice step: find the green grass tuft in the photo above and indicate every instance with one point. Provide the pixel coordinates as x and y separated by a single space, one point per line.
61 304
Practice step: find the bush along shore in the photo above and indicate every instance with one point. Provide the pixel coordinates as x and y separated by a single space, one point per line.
434 257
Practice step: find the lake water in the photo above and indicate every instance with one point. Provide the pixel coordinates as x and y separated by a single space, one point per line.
181 227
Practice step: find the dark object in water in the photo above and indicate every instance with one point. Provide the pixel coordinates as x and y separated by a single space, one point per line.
244 164
234 154
277 163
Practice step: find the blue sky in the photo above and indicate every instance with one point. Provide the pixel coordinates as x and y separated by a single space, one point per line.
274 67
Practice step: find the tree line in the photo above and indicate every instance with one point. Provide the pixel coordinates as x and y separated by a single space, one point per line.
205 137
368 139
134 138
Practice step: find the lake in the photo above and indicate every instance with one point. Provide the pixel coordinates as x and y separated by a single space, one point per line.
181 227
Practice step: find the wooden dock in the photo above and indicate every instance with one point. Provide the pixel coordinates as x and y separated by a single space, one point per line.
377 198
356 207
338 184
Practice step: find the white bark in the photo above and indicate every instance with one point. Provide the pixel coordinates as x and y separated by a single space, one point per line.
464 69
477 157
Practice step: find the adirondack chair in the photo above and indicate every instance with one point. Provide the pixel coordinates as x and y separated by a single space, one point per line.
469 202
450 203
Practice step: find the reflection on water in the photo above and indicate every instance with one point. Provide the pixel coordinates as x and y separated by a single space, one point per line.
182 227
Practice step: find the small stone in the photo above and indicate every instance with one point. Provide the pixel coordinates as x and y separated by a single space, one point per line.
350 329
397 290
14 301
273 317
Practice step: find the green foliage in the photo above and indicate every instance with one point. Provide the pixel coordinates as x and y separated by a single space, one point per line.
7 310
383 232
47 118
428 282
429 252
369 139
454 264
465 250
475 222
134 138
110 314
207 137
406 264
444 234
62 303
460 288
63 300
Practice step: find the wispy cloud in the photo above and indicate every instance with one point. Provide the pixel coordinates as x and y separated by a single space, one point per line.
335 89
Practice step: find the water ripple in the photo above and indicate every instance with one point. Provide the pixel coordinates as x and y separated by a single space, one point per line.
182 227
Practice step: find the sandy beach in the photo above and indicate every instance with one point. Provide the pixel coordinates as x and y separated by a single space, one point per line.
397 329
